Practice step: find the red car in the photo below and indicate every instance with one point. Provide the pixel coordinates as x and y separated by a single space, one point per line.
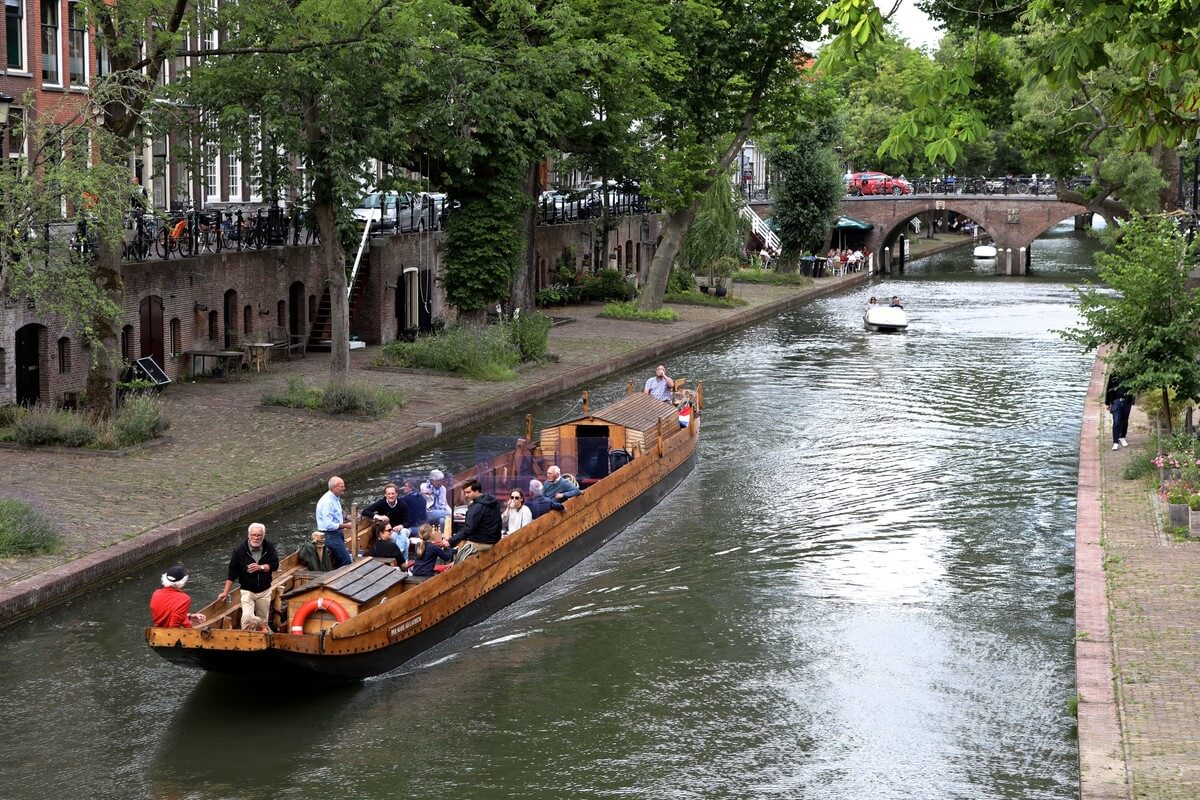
876 183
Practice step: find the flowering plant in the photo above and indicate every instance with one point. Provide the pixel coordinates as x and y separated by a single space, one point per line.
1176 492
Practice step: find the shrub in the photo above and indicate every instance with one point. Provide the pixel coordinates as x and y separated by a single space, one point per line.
24 531
10 414
630 311
486 353
609 284
531 335
1137 467
44 426
771 277
350 398
141 419
680 281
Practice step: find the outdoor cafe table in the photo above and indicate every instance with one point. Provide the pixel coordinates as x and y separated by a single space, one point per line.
259 353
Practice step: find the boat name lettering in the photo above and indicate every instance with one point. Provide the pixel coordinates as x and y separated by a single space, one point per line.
403 626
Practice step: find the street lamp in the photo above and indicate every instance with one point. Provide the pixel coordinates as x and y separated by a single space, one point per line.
5 104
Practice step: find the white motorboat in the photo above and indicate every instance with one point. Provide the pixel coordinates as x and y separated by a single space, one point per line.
885 319
985 251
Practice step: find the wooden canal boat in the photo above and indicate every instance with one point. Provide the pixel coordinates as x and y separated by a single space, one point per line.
366 617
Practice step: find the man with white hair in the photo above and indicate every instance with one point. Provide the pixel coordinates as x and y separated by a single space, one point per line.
437 505
537 503
252 564
169 605
332 523
557 488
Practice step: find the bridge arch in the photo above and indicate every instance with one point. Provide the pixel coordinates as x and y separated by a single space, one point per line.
1012 222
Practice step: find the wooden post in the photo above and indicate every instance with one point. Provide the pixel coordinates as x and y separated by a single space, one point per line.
354 532
529 429
700 395
586 409
660 438
629 388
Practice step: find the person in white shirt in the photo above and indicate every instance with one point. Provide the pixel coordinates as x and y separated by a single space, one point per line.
660 386
516 514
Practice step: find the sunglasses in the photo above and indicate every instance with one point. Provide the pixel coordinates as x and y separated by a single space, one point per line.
516 497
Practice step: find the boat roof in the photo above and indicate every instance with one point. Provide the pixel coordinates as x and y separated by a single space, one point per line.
360 581
638 411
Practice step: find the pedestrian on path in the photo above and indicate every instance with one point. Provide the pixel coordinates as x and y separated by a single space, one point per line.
1119 401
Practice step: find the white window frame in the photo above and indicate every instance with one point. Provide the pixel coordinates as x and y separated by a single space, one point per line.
85 56
58 43
235 179
23 70
212 163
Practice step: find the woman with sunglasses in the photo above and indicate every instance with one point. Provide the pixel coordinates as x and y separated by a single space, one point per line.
516 514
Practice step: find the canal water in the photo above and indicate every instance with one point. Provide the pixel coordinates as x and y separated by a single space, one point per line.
864 591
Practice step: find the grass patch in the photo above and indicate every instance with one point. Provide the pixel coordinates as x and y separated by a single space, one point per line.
630 311
486 354
695 298
770 276
1073 706
24 531
336 397
1139 466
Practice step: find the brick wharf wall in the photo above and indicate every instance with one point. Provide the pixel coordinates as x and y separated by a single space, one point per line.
260 287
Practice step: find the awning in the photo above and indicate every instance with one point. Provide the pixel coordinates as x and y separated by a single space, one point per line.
852 224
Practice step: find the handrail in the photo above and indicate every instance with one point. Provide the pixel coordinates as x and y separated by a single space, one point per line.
362 245
763 231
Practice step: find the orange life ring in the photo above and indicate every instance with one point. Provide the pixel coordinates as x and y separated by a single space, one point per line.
320 604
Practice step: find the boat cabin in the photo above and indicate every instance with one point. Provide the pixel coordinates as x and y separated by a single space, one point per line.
331 597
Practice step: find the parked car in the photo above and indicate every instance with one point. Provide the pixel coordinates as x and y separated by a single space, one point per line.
555 206
401 212
859 183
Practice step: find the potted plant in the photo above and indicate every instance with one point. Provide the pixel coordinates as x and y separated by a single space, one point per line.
722 269
1194 516
1177 496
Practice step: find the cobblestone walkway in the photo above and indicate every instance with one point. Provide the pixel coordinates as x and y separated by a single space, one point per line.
223 446
1154 606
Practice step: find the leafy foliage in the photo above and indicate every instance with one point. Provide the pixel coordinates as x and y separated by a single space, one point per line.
718 230
141 418
1150 316
810 189
771 277
531 335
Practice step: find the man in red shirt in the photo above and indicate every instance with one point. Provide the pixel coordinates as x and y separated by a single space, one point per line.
169 605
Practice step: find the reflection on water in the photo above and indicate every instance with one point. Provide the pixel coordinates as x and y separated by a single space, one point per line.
862 592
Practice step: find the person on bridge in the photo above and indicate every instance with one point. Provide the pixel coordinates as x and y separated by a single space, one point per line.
1119 401
169 606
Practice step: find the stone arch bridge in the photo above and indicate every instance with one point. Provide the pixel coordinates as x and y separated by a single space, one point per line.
1012 222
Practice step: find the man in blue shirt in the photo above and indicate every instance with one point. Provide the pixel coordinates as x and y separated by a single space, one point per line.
558 489
331 521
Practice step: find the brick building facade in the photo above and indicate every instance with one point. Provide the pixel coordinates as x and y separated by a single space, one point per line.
171 309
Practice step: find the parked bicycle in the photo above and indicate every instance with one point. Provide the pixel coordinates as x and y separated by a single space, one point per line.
209 236
175 238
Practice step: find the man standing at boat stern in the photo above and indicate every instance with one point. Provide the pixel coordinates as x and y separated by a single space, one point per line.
252 564
481 529
331 521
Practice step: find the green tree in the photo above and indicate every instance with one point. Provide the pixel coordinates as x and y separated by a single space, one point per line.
1148 313
810 188
738 73
42 257
296 75
717 232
